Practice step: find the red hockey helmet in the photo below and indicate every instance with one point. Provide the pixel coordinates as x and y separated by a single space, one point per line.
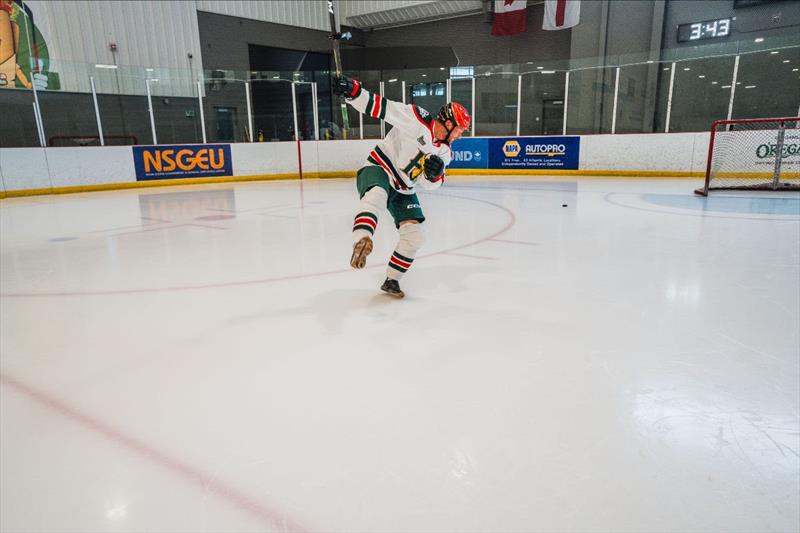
455 112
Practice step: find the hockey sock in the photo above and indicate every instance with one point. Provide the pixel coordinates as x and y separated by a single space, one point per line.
411 240
366 220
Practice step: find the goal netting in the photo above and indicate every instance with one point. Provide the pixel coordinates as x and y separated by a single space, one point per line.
92 140
755 154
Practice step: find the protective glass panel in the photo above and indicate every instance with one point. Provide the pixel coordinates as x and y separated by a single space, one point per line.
768 85
427 88
662 96
272 109
176 111
701 93
225 110
305 111
542 103
591 101
496 103
393 90
371 81
20 131
461 92
636 98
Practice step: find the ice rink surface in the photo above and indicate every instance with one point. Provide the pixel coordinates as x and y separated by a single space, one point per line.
202 358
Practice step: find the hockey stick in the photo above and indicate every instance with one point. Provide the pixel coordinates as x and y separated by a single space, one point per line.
337 60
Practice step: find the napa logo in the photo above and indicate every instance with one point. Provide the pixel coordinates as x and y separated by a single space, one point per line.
182 161
511 148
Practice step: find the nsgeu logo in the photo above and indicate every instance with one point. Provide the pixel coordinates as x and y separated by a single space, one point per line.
550 150
182 161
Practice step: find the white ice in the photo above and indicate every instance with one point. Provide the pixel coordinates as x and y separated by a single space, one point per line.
202 358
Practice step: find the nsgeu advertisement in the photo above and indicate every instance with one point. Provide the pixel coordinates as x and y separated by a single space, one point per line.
558 153
182 161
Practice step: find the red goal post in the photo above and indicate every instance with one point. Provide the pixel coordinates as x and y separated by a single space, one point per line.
753 154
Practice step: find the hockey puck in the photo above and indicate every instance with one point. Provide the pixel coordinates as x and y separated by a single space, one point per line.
563 205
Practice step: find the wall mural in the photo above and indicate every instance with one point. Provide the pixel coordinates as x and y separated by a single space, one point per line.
24 57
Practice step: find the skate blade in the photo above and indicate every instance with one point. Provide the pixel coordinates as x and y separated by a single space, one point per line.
361 250
397 295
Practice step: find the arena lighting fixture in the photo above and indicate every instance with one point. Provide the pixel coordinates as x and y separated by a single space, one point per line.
539 68
701 76
666 68
787 60
687 68
774 52
441 68
105 66
650 62
749 86
713 83
548 72
392 80
149 69
759 39
726 86
795 70
424 75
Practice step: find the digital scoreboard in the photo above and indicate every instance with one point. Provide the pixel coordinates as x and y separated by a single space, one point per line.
707 29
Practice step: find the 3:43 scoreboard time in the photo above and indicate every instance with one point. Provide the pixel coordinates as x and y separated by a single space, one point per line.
707 29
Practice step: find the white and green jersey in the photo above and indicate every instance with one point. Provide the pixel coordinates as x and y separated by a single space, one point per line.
402 153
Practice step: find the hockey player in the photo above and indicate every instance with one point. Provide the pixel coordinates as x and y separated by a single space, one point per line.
414 153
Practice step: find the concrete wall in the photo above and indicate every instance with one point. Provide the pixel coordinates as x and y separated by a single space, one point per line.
766 20
471 40
225 39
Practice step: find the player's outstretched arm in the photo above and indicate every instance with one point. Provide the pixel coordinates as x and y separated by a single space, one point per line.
401 116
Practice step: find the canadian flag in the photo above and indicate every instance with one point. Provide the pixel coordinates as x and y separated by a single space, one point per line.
560 14
510 17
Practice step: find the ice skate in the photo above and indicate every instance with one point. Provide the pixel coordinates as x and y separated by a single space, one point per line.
392 288
361 250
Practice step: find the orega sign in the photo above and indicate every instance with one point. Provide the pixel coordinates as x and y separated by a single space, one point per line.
768 150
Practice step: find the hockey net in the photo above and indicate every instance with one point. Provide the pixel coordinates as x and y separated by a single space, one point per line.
754 154
92 140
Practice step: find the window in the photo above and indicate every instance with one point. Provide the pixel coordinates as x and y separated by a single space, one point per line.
461 72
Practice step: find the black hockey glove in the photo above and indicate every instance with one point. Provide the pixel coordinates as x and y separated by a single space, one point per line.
342 85
434 166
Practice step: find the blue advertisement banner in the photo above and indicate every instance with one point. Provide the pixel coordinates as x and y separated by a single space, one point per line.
534 152
470 153
182 161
